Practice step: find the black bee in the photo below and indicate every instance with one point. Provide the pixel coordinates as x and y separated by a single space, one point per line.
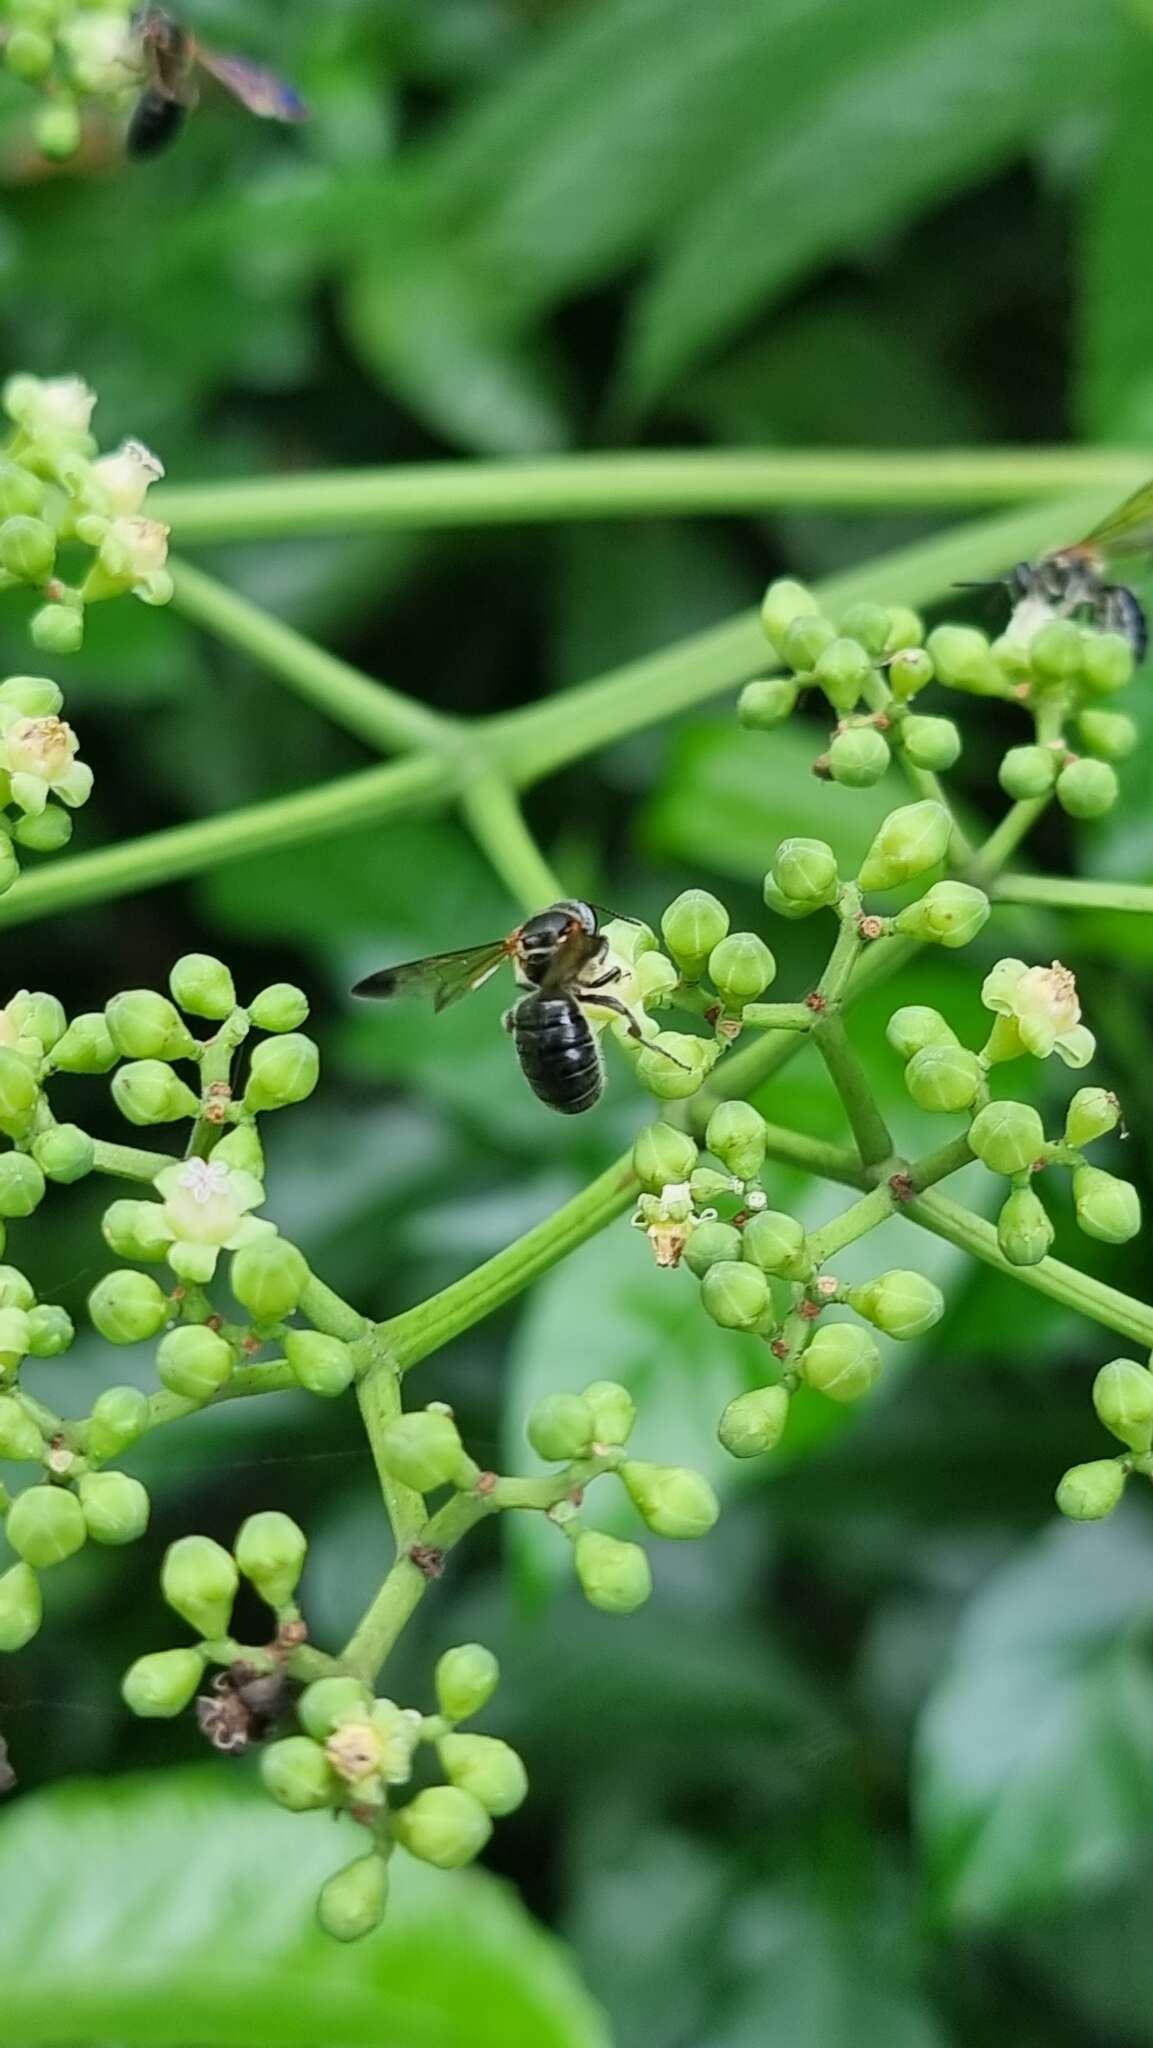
558 958
170 54
1075 579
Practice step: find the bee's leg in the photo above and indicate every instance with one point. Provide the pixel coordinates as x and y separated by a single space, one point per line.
610 976
508 1021
634 1029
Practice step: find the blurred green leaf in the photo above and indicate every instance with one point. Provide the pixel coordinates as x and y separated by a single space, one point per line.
1097 1954
1116 308
1034 1772
181 1907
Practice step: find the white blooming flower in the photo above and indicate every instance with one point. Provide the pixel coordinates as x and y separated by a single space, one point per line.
206 1208
39 755
1043 1011
120 482
49 406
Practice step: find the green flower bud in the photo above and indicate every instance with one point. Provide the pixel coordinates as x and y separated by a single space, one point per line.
871 624
331 1703
444 1826
280 1007
949 914
322 1365
859 757
58 130
906 628
45 834
160 1686
754 1422
944 1077
909 670
21 1607
352 1901
115 1507
45 1525
775 1242
270 1549
614 1576
9 868
27 548
1024 1231
766 702
16 1290
842 670
37 1015
710 1244
151 1092
86 1047
50 1330
21 1440
1106 662
1087 1493
671 1500
202 986
655 976
424 1450
297 1774
673 1065
29 54
707 1184
902 1304
119 1419
933 743
241 1147
841 1361
57 629
194 1361
1123 1398
805 640
20 491
145 1026
911 840
912 1028
1007 1136
199 1581
559 1427
19 1093
962 659
736 1135
268 1278
1111 734
1087 788
21 1184
488 1768
1106 1208
15 1337
1056 651
128 1307
466 1679
282 1071
805 870
662 1154
135 1230
741 968
64 1153
783 602
1092 1113
691 927
613 1411
735 1294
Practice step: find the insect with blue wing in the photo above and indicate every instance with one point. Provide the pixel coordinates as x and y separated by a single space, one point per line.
170 55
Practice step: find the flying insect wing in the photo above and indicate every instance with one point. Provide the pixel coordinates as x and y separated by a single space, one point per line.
446 977
258 89
1128 530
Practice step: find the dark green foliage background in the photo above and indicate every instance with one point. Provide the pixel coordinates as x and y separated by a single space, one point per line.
876 1767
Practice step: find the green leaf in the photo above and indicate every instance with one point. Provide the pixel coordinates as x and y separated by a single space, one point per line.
872 133
1034 1772
180 1908
1116 305
1097 1954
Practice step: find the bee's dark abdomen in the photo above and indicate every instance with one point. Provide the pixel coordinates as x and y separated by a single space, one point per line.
156 122
558 1053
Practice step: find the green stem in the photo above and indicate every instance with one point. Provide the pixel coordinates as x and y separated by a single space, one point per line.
1064 893
774 1016
387 791
497 824
623 485
403 1589
1004 840
130 1162
382 717
326 1310
874 1142
216 1083
378 1396
1079 1291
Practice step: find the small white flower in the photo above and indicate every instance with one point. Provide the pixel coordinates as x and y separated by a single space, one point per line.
39 755
122 480
49 405
133 549
1044 1007
204 1178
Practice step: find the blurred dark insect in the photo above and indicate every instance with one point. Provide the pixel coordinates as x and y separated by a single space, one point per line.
171 54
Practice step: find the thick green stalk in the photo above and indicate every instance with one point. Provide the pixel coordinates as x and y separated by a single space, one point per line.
626 484
1079 1291
378 1395
497 824
401 1593
874 1141
130 1162
1062 892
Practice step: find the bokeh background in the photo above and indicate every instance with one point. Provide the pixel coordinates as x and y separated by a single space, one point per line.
876 1766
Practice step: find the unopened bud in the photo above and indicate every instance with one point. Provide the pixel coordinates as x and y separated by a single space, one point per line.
741 968
1007 1136
671 1500
488 1768
775 1242
736 1135
115 1507
38 1015
45 1525
202 986
754 1422
194 1361
64 1153
909 671
280 1007
332 1703
1028 772
842 670
1092 1113
119 1418
912 1028
673 1065
560 1427
352 1901
1107 662
443 1826
710 1243
841 1361
1123 1398
21 1184
86 1047
735 1294
160 1686
152 1092
944 1078
903 1304
1056 651
145 1026
50 1330
322 1365
1106 1208
282 1071
297 1774
805 640
871 624
128 1307
805 871
950 914
910 841
1024 1231
57 628
613 1411
933 743
270 1549
692 926
58 130
21 1440
199 1581
783 602
766 702
268 1278
15 1337
44 834
1110 734
1087 788
21 1607
1087 1493
962 659
424 1450
19 1093
662 1154
614 1576
466 1678
27 548
859 757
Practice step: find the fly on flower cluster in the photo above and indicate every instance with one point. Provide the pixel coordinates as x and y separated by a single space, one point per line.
1075 579
559 958
170 54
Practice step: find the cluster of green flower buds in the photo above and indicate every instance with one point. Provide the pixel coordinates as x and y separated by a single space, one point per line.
200 1580
717 973
71 51
353 1751
1123 1399
59 494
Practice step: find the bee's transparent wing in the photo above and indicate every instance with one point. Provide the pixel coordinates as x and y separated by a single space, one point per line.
445 977
257 88
1129 529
